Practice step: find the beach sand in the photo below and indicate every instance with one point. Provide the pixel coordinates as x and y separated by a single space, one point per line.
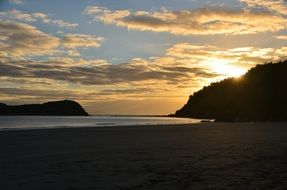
197 156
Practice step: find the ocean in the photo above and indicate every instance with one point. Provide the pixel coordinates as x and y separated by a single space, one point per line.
42 122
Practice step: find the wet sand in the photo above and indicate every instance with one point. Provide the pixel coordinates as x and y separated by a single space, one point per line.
198 156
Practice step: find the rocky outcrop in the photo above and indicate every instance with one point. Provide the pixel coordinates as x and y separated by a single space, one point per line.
57 108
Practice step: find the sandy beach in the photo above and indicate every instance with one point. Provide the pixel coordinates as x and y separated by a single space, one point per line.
197 156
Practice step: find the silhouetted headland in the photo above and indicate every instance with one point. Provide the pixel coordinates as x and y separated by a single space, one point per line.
57 108
259 95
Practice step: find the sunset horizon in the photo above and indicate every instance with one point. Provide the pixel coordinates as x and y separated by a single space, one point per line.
124 58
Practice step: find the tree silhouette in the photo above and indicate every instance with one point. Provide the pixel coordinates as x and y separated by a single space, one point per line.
259 95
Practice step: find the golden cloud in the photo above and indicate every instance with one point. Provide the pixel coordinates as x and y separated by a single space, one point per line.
279 6
182 63
243 57
81 40
20 40
184 68
281 37
204 21
33 17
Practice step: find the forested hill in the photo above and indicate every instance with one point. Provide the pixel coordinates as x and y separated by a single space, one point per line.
259 95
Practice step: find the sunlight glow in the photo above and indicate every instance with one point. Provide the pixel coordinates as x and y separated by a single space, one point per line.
225 67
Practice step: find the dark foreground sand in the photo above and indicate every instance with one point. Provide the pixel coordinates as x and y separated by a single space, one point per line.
199 156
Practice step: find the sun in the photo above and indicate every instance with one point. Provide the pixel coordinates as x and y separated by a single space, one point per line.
232 71
224 67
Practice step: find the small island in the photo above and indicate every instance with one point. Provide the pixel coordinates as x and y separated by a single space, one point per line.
259 95
56 108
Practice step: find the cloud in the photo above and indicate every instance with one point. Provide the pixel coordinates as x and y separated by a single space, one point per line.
279 6
96 82
204 21
20 40
19 15
16 1
63 24
281 37
81 40
33 17
180 66
184 68
52 93
200 52
90 73
216 58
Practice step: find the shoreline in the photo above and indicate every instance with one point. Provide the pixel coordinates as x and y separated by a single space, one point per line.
43 122
95 127
194 124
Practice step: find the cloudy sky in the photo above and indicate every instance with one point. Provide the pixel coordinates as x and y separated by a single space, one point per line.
132 56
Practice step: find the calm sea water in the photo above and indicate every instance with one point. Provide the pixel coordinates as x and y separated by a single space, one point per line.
35 122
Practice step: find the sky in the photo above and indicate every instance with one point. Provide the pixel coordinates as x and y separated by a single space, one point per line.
132 56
